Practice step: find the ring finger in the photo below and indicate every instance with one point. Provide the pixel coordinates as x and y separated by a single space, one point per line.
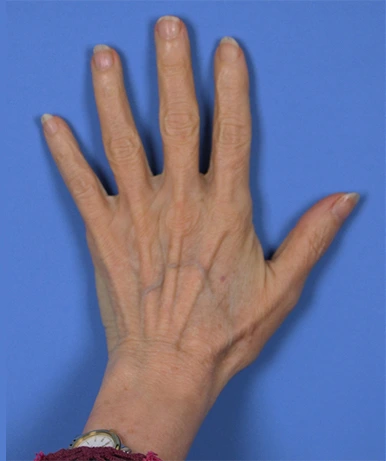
121 140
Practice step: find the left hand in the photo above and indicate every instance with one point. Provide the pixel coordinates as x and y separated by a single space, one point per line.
180 273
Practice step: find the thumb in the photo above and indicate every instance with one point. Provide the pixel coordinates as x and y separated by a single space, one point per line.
309 240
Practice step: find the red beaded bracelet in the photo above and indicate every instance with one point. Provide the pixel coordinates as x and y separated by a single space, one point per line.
95 454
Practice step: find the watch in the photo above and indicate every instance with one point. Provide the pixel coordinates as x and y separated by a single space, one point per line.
100 438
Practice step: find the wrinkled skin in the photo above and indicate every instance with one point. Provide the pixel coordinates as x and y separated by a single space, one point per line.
181 278
178 277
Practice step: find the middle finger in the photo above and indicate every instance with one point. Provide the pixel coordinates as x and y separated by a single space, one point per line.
179 113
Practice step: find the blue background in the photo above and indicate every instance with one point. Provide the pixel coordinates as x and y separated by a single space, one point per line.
317 73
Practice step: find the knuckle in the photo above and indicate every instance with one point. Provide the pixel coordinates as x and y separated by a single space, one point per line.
318 243
241 204
232 133
237 166
181 124
61 154
182 217
109 88
172 69
82 186
244 202
236 216
123 148
240 222
230 79
294 293
283 293
289 293
314 249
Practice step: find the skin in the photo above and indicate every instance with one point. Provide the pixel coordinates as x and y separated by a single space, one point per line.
185 294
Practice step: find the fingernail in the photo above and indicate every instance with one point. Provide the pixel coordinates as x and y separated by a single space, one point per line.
102 57
229 49
49 124
344 206
168 26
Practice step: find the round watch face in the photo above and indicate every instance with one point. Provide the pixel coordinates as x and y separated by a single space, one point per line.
97 440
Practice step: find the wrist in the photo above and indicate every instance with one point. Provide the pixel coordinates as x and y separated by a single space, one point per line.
158 406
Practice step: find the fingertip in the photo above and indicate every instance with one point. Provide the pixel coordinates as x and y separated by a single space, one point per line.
45 117
345 205
229 50
103 57
49 123
100 47
230 40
